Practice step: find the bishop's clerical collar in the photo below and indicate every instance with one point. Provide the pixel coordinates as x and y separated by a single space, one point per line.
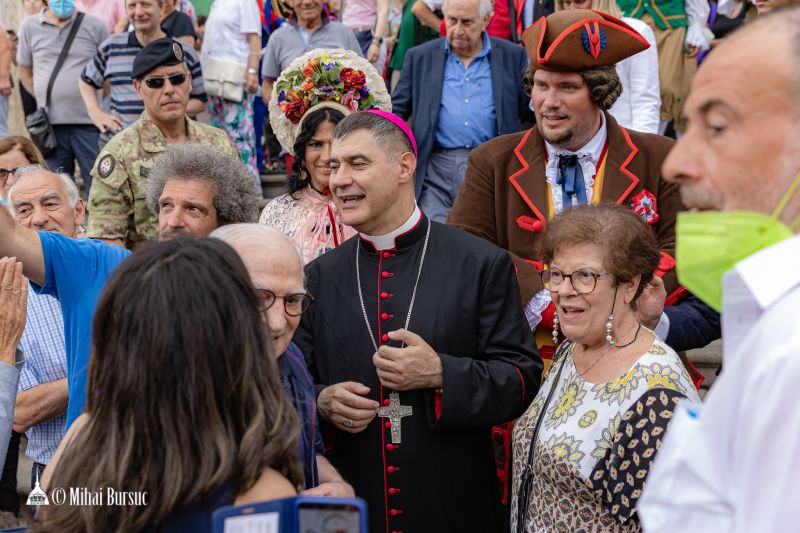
388 241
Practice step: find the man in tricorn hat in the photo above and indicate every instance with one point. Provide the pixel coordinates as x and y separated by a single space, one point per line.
119 213
576 154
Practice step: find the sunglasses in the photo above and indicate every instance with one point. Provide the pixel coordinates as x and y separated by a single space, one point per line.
157 83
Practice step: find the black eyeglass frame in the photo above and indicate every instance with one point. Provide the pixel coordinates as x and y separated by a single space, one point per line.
6 172
546 275
307 301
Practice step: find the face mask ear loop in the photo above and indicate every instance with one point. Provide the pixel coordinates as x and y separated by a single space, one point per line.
785 200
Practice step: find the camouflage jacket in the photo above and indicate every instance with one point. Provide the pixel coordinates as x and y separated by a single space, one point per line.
117 206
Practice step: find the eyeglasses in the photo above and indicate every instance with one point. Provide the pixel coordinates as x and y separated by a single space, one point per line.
6 172
294 304
158 82
583 280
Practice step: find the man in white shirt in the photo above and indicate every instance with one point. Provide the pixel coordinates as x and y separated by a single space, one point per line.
732 464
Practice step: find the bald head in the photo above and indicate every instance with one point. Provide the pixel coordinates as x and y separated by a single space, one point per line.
257 239
741 149
275 267
772 41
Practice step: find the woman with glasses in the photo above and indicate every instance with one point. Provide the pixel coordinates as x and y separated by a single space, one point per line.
16 152
584 447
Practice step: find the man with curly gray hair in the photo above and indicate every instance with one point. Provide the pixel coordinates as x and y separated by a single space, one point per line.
192 189
222 187
576 154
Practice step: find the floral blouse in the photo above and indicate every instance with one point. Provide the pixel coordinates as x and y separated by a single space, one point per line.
596 442
309 219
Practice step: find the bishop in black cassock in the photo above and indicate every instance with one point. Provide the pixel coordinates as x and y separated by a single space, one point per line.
441 476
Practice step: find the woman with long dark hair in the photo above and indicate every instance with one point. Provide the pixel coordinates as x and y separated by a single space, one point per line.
337 83
183 399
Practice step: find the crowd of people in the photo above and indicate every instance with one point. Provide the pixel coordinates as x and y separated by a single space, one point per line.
504 226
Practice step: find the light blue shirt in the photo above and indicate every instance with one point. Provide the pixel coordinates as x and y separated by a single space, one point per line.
42 343
467 116
76 270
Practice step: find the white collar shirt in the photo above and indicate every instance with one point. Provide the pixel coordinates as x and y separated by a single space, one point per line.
732 463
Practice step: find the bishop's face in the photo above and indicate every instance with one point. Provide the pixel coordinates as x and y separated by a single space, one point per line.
371 189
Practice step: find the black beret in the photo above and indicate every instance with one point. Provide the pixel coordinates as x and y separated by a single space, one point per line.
161 52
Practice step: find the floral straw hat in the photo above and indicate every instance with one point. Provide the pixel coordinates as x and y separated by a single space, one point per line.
334 78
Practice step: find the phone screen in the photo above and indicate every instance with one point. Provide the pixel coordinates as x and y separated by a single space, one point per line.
328 518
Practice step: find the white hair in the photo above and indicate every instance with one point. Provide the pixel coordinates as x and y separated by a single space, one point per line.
256 234
485 8
69 185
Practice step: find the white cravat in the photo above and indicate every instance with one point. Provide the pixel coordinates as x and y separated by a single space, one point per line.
588 158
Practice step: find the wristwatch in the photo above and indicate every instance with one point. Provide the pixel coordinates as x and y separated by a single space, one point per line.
252 70
377 40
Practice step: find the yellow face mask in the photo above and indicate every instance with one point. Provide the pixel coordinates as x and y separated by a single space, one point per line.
709 243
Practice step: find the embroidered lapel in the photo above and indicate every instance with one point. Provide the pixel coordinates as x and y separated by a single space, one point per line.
619 181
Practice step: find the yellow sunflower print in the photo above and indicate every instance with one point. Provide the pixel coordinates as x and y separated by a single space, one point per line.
606 439
565 447
569 399
662 376
618 389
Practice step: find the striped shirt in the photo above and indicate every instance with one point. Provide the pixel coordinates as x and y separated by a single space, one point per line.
42 343
114 62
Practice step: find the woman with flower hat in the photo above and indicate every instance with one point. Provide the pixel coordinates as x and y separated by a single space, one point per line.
310 97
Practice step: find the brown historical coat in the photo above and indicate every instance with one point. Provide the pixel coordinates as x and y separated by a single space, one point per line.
504 198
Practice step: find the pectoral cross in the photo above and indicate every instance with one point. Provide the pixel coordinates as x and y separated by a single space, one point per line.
395 413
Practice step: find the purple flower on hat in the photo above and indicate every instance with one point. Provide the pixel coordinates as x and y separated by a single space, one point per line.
364 92
327 89
328 66
282 96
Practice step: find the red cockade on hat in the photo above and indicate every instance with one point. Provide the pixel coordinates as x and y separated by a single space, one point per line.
644 205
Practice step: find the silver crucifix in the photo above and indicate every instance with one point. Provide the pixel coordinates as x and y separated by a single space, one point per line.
395 413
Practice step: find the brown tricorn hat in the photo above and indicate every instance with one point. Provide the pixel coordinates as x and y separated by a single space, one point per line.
580 39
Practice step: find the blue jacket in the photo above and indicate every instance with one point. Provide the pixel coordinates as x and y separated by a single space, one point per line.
419 93
692 324
299 385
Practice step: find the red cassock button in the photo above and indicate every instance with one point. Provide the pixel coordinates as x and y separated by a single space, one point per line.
395 512
387 255
385 337
394 491
387 425
393 469
385 295
390 447
385 316
385 274
386 402
396 531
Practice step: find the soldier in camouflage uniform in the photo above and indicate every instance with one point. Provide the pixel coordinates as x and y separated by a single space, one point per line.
118 212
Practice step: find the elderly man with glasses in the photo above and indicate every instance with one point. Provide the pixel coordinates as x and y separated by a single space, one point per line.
118 211
275 267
